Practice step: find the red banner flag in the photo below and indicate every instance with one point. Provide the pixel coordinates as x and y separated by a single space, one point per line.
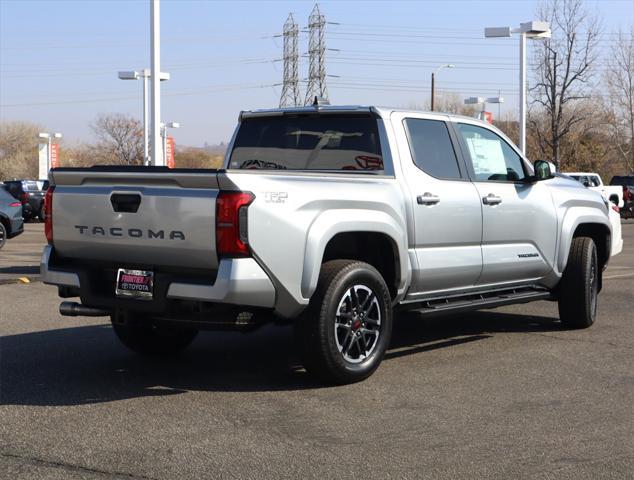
54 155
169 152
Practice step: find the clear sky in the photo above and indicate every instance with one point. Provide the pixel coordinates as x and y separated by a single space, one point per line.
59 59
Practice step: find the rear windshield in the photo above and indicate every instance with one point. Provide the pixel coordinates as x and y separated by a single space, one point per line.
315 142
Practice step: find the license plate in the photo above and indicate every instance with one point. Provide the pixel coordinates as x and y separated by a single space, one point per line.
135 284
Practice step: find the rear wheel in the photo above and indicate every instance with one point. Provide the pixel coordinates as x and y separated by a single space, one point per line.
344 333
579 287
153 339
3 235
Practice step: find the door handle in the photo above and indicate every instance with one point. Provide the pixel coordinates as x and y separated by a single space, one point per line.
427 199
491 199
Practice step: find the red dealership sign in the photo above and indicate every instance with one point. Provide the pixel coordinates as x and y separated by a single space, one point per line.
170 147
54 155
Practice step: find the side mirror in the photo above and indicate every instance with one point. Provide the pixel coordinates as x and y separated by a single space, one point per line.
544 170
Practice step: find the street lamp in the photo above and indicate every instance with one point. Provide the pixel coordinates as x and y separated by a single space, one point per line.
533 29
164 127
49 138
145 75
433 81
483 101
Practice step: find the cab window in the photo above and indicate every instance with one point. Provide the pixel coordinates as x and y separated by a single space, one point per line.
431 148
492 158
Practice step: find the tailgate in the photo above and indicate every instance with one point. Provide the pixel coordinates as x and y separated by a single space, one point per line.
136 216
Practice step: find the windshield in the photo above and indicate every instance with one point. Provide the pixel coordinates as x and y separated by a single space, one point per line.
308 142
30 186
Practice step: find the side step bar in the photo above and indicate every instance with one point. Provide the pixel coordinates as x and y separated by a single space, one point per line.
478 301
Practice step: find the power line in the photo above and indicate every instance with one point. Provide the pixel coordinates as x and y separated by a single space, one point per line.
203 91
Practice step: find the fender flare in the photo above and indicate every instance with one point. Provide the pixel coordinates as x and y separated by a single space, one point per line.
572 220
333 222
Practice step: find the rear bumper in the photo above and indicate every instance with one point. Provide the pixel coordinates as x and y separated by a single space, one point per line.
240 281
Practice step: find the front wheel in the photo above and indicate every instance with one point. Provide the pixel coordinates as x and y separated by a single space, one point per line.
579 287
152 339
3 235
345 331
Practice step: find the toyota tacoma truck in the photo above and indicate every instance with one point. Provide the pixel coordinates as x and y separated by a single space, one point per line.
330 218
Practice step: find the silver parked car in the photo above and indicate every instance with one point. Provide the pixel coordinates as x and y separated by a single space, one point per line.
11 222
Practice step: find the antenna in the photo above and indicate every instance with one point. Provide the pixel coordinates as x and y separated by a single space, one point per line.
290 88
316 52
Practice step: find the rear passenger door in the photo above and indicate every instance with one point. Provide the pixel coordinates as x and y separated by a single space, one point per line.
445 214
519 221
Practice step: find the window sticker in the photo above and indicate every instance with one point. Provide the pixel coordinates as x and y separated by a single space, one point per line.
487 156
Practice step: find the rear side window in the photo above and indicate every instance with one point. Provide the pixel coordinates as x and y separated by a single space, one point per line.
431 148
308 142
14 188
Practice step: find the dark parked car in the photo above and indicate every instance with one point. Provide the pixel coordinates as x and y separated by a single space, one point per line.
31 194
11 223
627 182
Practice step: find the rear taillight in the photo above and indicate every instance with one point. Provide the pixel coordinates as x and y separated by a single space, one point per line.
24 198
616 208
231 224
15 204
48 212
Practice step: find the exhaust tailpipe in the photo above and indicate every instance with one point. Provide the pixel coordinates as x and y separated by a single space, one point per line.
74 309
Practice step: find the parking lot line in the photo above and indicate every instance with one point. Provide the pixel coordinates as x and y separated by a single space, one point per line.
619 276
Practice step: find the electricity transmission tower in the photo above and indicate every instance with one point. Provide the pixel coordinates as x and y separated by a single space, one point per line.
290 88
316 52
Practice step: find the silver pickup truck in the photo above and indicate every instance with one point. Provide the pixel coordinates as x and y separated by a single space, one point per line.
331 218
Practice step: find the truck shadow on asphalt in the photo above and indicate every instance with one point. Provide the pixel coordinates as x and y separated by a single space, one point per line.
84 365
26 270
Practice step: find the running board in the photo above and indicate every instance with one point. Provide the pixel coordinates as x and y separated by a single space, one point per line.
476 301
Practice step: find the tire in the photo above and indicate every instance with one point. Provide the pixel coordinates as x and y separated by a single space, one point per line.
150 339
579 287
338 342
3 235
42 215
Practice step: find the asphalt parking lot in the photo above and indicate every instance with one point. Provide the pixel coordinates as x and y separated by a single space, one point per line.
503 393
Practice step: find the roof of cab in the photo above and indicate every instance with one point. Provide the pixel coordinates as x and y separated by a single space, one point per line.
383 112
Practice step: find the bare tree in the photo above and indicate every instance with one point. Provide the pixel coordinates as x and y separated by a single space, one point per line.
18 150
619 78
564 71
120 139
448 102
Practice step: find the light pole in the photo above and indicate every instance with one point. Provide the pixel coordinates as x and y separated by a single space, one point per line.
533 29
164 127
483 101
145 75
155 65
49 137
433 81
